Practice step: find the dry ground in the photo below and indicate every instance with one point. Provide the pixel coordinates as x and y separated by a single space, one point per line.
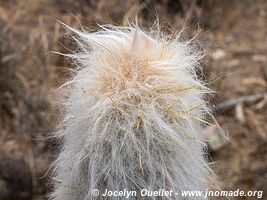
234 35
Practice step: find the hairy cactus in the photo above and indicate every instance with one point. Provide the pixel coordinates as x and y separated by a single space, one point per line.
133 117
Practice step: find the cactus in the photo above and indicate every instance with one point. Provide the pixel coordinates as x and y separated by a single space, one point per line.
133 117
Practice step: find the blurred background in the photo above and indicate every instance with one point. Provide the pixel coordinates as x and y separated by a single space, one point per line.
233 34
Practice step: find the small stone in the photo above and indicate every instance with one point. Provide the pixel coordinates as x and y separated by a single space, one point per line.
218 54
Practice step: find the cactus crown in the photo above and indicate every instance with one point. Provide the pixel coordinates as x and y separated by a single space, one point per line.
134 115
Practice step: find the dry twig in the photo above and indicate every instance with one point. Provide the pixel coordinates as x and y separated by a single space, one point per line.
228 104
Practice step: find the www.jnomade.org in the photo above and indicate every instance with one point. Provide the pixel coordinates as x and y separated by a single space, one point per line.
170 193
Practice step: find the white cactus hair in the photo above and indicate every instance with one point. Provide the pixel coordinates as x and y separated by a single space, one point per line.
133 117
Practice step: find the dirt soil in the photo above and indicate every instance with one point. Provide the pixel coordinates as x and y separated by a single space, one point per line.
233 34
